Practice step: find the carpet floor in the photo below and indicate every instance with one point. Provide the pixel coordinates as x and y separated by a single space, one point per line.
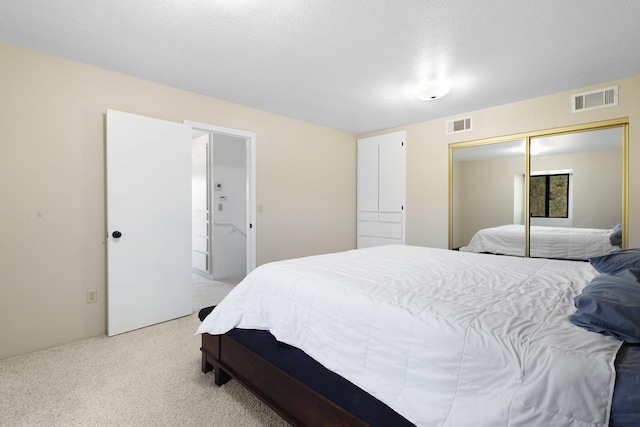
147 377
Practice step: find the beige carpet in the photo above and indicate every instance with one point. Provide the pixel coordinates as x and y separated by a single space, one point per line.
208 292
148 377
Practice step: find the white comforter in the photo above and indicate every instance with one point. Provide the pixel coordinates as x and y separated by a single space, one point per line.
544 242
442 337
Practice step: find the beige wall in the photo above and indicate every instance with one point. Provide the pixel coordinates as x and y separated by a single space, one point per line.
52 188
486 190
427 152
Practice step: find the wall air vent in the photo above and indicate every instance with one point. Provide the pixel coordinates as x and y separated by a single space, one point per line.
458 125
607 97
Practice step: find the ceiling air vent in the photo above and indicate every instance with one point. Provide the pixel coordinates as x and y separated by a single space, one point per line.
600 98
459 125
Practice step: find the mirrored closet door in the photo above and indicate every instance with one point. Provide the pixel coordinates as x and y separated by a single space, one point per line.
552 194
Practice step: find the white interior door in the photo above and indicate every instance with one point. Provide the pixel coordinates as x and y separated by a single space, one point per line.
148 221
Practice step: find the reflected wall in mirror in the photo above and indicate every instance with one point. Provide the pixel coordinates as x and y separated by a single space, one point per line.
566 200
488 190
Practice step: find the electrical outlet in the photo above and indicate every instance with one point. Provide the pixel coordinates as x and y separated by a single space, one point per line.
92 296
259 208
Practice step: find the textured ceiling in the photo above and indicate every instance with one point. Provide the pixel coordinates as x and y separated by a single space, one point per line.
346 64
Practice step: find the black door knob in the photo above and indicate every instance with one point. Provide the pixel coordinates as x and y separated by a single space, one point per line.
116 234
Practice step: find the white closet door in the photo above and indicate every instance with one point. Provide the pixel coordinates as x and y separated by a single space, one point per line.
391 175
367 177
148 221
381 190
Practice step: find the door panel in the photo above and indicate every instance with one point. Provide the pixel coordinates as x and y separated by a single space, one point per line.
367 177
391 175
149 203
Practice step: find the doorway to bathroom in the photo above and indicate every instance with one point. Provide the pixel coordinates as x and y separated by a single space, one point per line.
223 194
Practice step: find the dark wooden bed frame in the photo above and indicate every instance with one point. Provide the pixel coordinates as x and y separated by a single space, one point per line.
294 401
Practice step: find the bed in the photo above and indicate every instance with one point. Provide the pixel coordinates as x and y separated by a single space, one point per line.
439 337
545 242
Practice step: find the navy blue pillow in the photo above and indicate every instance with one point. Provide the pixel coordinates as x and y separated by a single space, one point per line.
616 235
610 305
616 262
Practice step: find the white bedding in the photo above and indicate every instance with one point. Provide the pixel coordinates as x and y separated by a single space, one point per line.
544 242
444 338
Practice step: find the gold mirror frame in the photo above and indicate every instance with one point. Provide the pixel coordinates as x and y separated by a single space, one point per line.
527 136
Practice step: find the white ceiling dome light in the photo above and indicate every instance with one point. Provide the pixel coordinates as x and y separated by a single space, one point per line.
432 91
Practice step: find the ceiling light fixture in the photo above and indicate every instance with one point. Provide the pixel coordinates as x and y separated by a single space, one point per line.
430 92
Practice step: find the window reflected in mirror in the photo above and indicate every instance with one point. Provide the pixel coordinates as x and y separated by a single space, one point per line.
549 195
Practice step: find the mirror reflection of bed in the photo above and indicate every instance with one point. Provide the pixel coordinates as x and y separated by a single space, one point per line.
576 194
545 241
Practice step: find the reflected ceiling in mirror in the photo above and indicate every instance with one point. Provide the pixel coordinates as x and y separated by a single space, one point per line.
595 140
489 151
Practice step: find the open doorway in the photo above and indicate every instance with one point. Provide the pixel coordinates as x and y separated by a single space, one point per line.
223 242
